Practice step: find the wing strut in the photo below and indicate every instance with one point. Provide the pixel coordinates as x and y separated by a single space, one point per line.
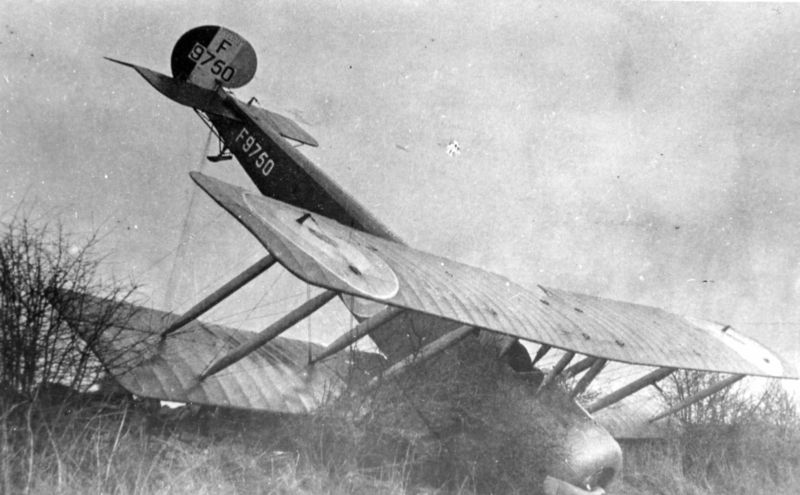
582 365
540 353
357 332
713 389
269 333
594 370
426 352
220 294
629 389
557 369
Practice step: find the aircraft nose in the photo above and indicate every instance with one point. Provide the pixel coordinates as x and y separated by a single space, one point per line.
590 463
585 458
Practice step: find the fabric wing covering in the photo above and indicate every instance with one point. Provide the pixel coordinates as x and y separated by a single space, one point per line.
273 378
327 254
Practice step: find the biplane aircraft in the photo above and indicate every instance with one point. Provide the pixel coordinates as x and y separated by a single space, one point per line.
417 307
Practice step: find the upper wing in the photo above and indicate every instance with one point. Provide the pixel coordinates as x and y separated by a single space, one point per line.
327 254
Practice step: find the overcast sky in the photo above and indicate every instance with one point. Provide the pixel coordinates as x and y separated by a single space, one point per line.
642 151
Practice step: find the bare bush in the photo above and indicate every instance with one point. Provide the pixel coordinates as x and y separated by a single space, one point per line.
49 280
738 440
44 274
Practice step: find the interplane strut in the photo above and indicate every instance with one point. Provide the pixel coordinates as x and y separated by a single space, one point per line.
220 294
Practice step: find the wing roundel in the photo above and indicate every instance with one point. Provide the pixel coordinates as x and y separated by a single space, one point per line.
211 56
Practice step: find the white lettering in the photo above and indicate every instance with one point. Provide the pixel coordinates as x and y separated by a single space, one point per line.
268 168
249 142
256 151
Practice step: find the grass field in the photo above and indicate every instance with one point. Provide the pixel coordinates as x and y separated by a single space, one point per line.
129 448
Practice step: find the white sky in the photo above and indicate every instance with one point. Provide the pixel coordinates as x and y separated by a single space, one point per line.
639 151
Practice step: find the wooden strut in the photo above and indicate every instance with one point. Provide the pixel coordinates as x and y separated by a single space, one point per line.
582 365
629 389
557 369
426 352
269 333
357 332
594 370
713 389
220 294
540 353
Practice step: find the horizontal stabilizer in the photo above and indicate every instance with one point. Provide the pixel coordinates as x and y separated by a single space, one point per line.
327 254
184 93
272 378
284 126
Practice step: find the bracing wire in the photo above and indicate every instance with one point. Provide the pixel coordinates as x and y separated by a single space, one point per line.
172 281
308 324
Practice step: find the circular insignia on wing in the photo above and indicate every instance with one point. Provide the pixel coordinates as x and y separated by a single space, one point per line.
340 251
211 56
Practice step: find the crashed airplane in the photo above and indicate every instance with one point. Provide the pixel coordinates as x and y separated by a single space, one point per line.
420 309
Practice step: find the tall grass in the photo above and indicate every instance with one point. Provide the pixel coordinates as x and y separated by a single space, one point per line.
122 449
360 443
739 444
83 445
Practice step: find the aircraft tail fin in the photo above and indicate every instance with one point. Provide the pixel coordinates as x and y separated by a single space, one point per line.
212 57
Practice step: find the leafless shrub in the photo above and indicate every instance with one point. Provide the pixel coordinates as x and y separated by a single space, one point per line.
737 440
48 281
44 275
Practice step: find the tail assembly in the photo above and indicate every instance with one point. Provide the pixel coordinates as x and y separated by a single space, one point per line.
207 62
212 57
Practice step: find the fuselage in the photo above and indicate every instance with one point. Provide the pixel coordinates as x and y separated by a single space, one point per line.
280 171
